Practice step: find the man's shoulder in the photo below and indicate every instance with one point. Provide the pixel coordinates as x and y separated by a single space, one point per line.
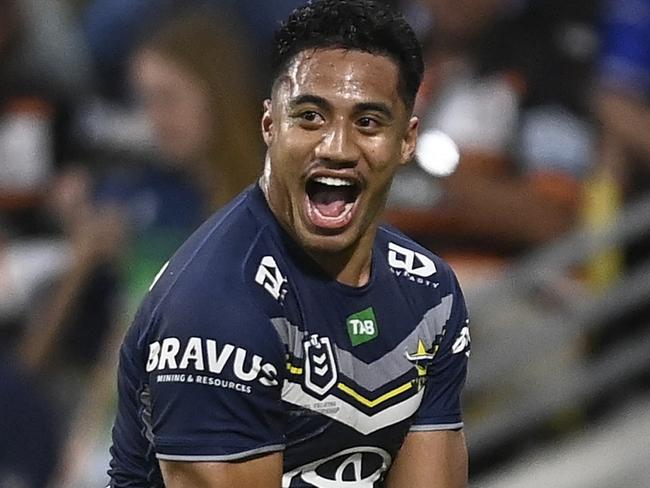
214 270
220 243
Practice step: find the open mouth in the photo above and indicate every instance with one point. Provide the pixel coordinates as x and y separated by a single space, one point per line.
331 201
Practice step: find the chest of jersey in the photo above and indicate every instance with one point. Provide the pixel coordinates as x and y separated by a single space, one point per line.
356 364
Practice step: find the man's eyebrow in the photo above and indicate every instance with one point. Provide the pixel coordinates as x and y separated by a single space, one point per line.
308 98
375 107
319 101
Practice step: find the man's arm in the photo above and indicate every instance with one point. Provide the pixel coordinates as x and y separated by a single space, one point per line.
433 459
262 472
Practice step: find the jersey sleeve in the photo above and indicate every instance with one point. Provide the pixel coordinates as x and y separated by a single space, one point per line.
441 405
214 370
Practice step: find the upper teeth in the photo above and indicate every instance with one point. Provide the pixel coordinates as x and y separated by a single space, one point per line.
328 180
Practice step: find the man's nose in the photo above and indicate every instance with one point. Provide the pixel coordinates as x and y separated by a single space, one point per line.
338 144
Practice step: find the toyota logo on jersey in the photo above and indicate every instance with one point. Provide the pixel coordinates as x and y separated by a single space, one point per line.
357 467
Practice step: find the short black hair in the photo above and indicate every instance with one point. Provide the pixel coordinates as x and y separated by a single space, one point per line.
360 25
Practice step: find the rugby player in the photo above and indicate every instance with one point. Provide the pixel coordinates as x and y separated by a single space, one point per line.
293 341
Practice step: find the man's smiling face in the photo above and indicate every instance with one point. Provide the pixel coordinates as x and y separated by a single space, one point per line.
337 130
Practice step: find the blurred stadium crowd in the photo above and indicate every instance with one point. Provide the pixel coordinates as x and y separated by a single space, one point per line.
124 123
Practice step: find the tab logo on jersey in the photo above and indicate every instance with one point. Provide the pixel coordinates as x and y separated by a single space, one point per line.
362 326
269 276
320 367
357 467
203 355
413 263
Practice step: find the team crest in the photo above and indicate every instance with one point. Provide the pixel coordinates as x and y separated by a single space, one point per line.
320 366
421 358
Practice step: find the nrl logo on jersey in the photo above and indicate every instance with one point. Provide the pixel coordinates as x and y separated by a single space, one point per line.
411 265
320 367
269 276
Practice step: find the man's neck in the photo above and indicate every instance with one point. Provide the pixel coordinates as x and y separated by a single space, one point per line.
351 267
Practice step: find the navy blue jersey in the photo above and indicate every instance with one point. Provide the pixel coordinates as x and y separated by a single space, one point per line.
244 347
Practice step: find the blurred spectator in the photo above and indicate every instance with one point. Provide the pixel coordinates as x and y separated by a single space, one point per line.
42 49
70 314
113 28
43 72
197 86
505 80
623 94
29 436
622 104
191 80
41 66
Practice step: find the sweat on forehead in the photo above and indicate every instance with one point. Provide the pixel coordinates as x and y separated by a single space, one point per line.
342 68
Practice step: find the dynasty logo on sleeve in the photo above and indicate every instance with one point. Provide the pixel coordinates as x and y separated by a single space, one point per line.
411 265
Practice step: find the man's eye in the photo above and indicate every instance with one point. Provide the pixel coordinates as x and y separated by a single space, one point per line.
310 116
368 122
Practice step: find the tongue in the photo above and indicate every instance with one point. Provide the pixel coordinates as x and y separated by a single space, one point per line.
330 203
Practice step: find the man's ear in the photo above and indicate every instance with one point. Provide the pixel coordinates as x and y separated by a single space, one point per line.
410 140
267 123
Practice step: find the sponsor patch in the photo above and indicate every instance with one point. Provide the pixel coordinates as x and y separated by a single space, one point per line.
269 276
362 326
357 467
409 261
173 360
